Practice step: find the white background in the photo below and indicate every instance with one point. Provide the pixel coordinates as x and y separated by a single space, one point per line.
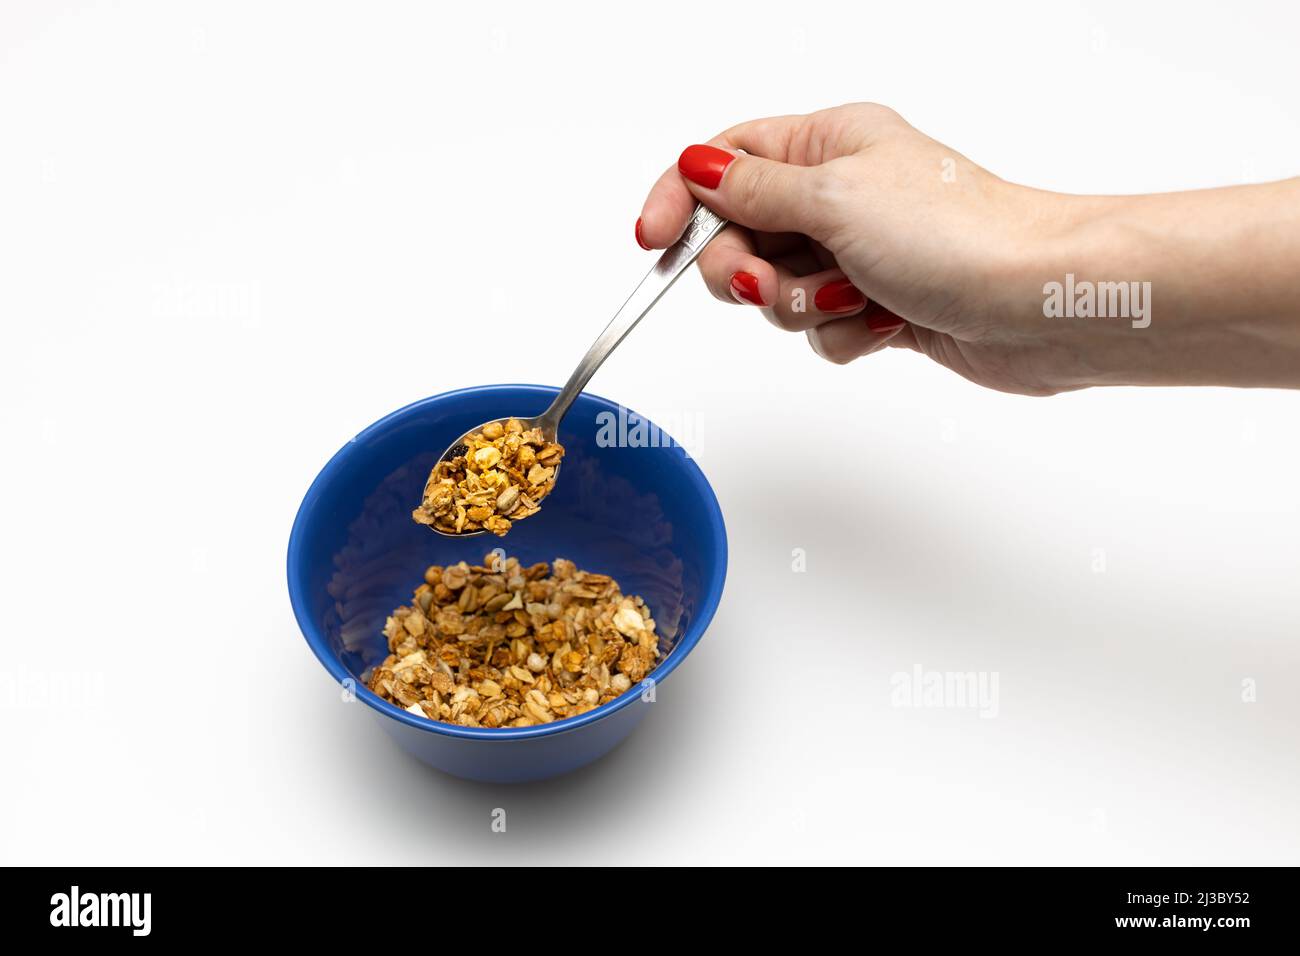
233 235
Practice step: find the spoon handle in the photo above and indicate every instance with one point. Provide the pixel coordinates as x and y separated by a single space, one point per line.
701 229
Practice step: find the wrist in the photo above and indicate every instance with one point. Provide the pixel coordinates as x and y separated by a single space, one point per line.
1195 288
1043 292
1097 292
1216 270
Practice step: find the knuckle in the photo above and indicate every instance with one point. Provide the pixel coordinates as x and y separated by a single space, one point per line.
813 343
876 113
827 348
789 311
828 185
710 261
783 319
824 195
753 187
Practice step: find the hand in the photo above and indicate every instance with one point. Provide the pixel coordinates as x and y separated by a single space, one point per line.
863 233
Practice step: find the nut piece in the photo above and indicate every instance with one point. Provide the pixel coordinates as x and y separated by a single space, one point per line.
629 622
503 645
496 477
507 500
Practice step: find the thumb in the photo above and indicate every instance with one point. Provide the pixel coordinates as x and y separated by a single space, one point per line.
759 193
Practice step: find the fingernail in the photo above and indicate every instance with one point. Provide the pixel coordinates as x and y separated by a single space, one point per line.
744 286
885 323
704 165
839 296
639 241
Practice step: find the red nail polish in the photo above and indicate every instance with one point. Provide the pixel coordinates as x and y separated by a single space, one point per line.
744 286
639 241
885 323
704 165
839 296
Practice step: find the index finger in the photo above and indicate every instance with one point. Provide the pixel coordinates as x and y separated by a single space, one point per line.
666 211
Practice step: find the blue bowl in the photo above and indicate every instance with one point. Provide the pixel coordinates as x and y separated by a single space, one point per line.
645 515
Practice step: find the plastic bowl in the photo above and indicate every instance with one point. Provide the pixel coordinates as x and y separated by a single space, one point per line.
629 503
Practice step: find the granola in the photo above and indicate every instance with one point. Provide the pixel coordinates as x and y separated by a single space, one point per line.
494 478
501 645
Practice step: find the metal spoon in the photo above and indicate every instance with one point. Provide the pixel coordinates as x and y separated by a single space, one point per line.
703 226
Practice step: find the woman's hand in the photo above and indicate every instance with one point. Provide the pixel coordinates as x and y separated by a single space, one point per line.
858 230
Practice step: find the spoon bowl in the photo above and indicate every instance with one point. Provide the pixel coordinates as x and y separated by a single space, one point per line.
549 428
